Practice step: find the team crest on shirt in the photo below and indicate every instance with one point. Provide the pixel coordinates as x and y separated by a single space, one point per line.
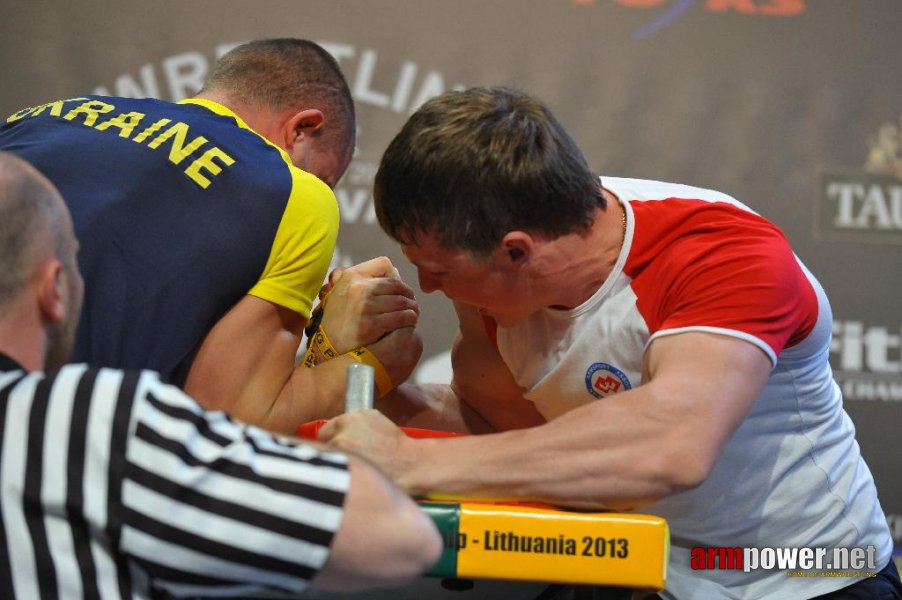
604 380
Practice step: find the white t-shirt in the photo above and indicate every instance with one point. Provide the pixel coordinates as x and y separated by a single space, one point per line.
792 475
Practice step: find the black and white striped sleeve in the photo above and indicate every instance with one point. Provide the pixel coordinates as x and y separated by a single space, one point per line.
211 507
113 481
57 435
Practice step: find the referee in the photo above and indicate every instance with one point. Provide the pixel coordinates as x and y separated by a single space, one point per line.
116 485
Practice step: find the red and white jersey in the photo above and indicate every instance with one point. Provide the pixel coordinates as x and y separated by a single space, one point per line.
792 474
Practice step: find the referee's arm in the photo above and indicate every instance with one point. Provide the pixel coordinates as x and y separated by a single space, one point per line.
209 503
384 539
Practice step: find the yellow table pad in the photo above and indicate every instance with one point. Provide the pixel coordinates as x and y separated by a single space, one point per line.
530 543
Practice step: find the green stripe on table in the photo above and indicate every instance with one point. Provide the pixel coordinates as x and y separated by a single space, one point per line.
446 517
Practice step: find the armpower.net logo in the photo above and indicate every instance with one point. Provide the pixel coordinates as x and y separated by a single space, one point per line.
796 562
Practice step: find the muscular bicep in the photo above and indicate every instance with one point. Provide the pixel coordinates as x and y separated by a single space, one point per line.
479 372
246 359
701 387
483 381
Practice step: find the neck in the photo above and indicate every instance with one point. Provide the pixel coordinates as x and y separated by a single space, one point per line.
23 334
581 263
263 120
24 348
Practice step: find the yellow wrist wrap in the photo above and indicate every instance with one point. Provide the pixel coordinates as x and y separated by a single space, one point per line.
382 379
320 341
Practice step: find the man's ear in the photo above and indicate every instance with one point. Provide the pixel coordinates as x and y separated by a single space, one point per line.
302 123
518 247
51 284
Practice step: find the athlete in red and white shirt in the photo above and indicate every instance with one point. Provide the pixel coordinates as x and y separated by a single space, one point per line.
652 346
697 261
701 278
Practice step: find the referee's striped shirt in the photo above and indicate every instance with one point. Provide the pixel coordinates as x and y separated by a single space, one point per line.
115 485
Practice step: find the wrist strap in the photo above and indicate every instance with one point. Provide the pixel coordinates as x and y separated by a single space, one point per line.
382 379
316 318
322 341
309 357
319 341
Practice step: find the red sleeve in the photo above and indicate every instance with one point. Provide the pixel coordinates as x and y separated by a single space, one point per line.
714 265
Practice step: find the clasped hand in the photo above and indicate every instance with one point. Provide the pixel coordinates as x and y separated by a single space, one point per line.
369 305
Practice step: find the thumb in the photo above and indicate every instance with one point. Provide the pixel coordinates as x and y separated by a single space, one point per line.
329 430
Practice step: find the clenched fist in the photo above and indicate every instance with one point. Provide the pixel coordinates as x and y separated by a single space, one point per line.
399 352
365 302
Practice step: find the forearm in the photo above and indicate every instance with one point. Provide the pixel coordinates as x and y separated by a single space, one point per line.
246 367
594 457
280 396
626 450
308 394
246 359
431 406
384 539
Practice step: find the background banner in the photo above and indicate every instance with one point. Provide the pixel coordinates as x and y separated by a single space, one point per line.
792 106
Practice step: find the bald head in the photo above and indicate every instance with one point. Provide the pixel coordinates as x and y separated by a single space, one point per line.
34 223
41 289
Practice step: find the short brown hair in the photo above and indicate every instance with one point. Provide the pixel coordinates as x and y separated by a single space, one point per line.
470 166
286 73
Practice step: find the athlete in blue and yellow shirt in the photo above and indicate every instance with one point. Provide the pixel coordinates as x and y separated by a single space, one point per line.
194 210
218 205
